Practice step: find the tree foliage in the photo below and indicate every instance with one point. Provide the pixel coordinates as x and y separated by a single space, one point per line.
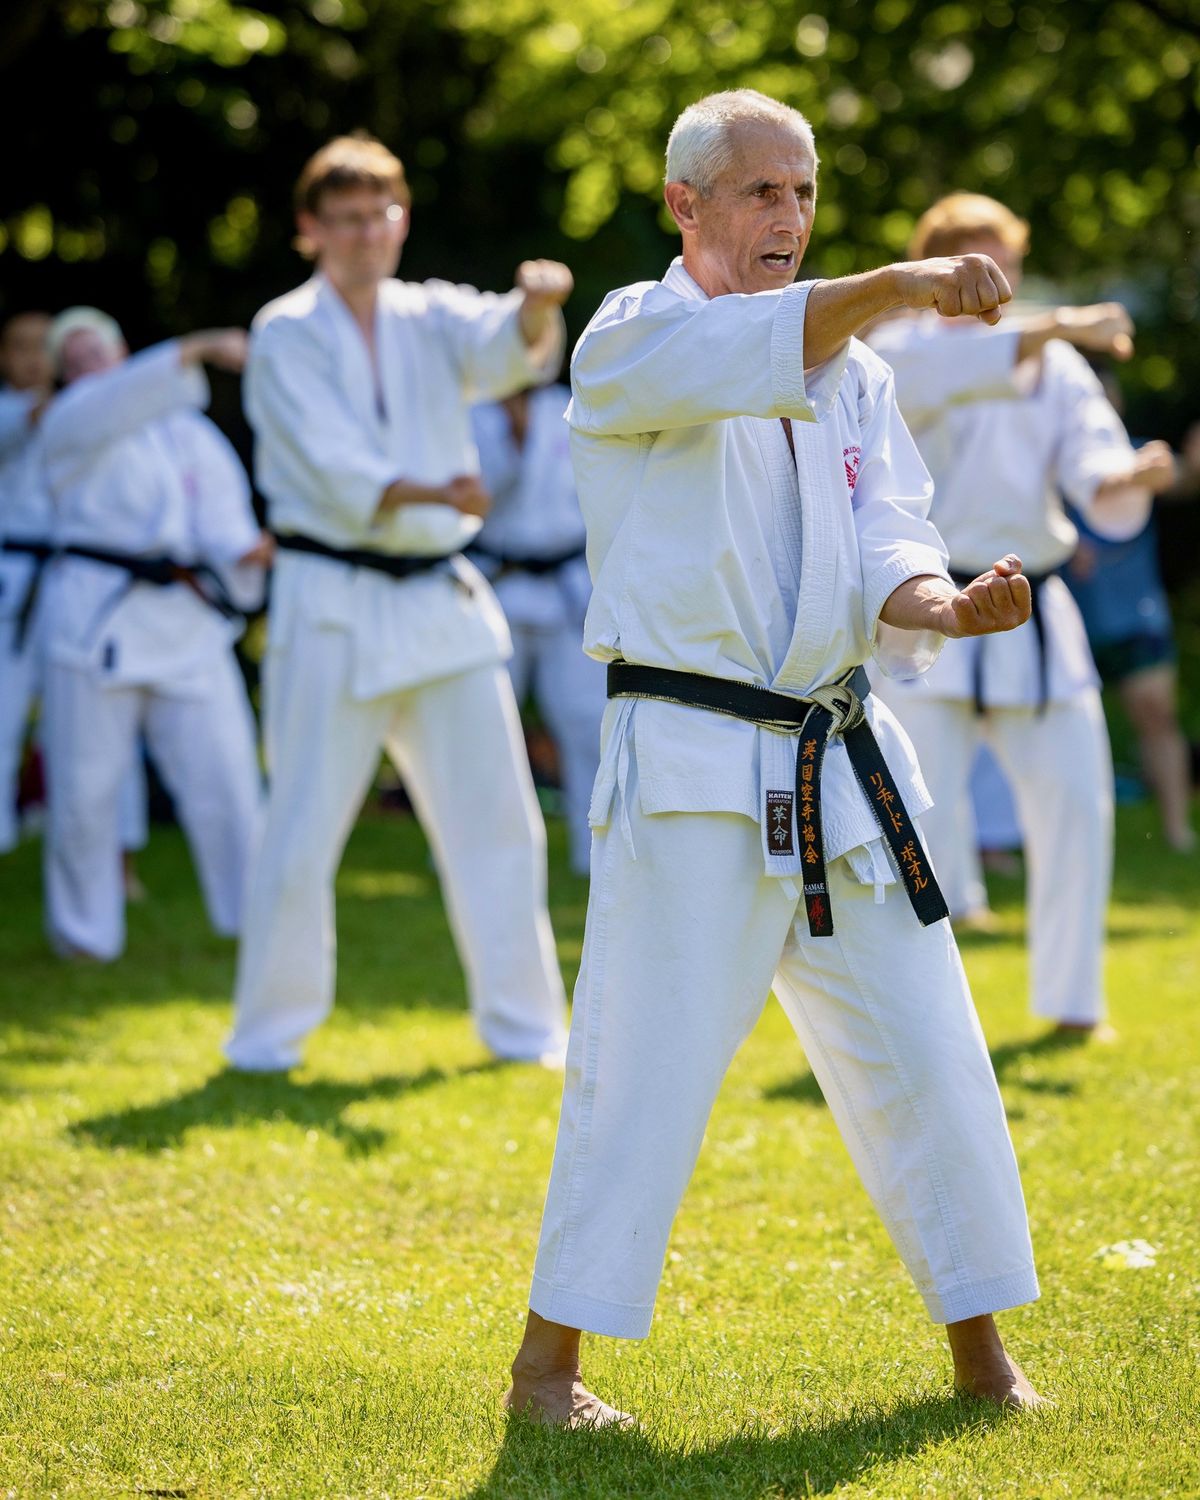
156 140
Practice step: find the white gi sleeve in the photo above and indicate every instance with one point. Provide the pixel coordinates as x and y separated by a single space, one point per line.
223 520
896 539
1093 445
309 437
651 360
104 408
15 407
483 333
941 367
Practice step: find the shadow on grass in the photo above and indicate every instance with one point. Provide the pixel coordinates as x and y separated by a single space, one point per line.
1008 1056
809 1460
231 1099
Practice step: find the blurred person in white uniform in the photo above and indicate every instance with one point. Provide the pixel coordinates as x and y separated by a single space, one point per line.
532 550
757 528
27 374
156 552
381 636
1009 421
26 547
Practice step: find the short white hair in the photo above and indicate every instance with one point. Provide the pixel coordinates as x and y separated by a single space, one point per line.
77 319
699 148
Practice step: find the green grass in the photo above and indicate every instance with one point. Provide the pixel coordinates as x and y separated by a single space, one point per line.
228 1287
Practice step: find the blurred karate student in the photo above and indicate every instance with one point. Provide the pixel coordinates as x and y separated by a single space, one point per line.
1009 421
25 543
381 636
158 549
532 550
1119 588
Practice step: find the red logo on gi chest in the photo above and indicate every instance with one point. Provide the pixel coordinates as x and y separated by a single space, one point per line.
852 457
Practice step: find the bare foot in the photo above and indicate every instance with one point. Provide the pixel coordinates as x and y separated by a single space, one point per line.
547 1385
1086 1031
982 1368
562 1401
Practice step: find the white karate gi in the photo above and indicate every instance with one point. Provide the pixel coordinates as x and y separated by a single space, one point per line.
1004 444
701 540
535 514
25 515
357 661
134 466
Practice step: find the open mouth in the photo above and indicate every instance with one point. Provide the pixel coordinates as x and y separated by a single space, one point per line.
779 260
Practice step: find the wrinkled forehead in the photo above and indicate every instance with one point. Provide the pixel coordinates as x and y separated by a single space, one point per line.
764 149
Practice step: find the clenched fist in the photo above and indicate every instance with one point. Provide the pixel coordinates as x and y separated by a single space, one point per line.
997 600
954 285
465 492
546 281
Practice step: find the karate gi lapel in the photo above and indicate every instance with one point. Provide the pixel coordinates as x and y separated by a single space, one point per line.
353 357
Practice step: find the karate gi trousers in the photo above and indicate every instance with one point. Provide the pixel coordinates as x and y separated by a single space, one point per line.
457 742
20 668
1059 766
683 944
203 744
570 691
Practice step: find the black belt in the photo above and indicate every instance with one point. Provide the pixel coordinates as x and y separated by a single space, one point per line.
1036 583
509 562
827 712
41 552
160 571
361 557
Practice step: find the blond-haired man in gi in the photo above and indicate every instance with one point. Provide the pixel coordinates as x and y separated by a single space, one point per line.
757 528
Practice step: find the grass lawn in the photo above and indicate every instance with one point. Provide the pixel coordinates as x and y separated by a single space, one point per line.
216 1286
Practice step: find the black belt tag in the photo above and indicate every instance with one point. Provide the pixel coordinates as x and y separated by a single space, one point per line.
779 823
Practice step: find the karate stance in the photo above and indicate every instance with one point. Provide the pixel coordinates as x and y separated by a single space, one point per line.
757 528
531 548
25 543
157 549
1008 422
380 634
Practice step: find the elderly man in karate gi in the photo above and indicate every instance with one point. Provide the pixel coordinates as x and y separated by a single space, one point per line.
531 548
1009 421
157 550
381 635
25 542
756 529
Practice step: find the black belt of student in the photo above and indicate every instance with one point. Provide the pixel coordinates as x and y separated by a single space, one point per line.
1037 582
509 562
41 553
394 565
160 570
826 713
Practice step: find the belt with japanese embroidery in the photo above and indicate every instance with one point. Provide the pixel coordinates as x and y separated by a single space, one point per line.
1037 582
41 553
834 711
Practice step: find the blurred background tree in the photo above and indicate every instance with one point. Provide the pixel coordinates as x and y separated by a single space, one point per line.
152 144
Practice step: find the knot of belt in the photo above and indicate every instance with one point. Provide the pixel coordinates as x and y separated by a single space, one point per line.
834 709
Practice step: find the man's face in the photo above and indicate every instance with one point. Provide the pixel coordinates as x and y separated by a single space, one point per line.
25 364
1009 261
86 352
358 234
751 233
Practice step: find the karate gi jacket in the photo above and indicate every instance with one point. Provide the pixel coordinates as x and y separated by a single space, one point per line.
1005 443
331 438
25 510
535 510
711 550
134 466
